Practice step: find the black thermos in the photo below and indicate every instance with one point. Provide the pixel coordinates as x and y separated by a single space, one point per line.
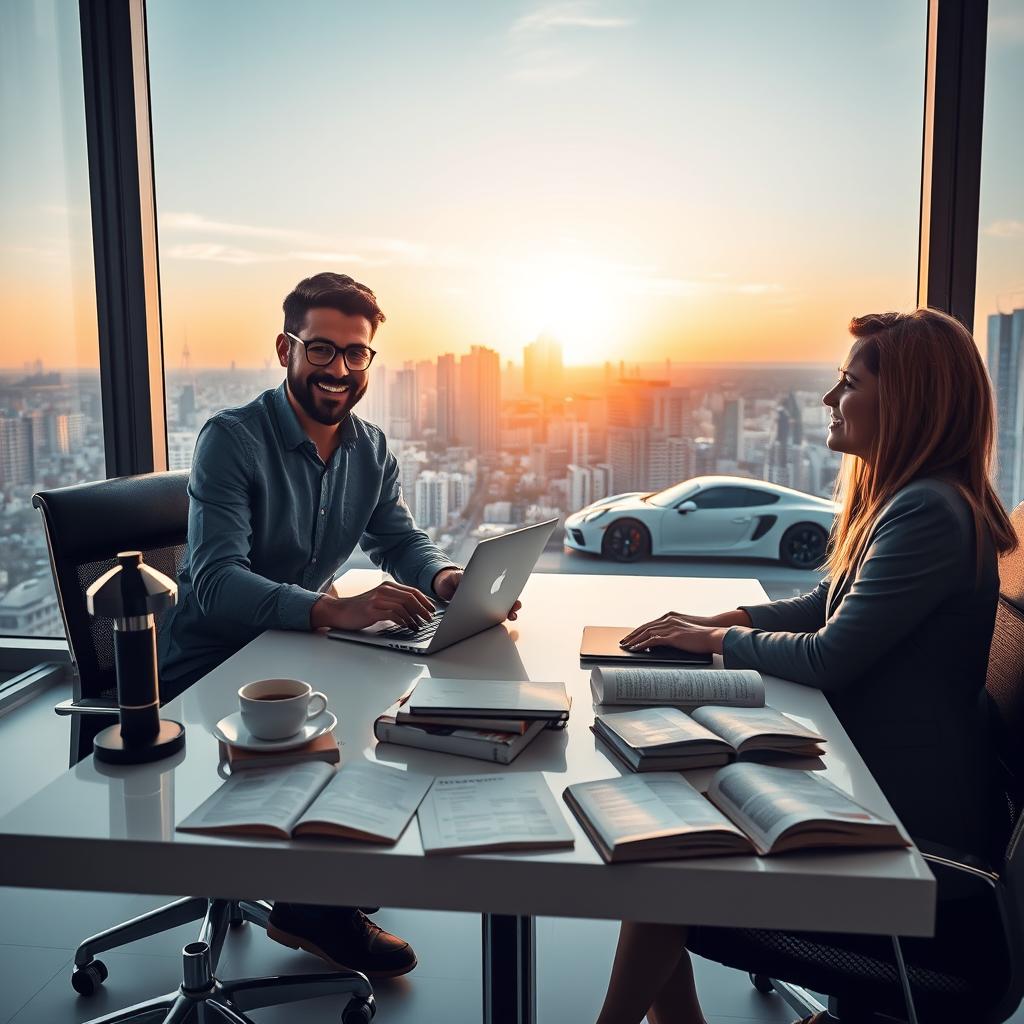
131 593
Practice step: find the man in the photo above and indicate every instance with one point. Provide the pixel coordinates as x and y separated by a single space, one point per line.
281 490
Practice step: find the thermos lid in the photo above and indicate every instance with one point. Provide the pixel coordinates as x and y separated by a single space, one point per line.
129 589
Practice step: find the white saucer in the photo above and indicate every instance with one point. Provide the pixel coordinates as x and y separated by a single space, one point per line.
232 731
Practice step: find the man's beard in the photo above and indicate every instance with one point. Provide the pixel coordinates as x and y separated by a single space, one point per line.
318 404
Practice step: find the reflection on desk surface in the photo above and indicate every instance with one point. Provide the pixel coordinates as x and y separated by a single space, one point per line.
488 655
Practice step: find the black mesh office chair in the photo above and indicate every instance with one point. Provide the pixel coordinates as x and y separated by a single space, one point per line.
86 525
971 974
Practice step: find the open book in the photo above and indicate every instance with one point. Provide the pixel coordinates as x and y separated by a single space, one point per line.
362 800
685 688
748 808
667 739
472 813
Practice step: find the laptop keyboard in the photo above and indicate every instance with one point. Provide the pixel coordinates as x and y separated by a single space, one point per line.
424 632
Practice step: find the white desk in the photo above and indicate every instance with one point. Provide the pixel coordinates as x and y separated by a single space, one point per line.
112 829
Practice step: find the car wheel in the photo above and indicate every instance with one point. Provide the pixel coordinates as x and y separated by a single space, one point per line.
803 546
626 540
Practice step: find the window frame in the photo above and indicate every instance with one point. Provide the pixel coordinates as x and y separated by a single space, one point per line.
126 251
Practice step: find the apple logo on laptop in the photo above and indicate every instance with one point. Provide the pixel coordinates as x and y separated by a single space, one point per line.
496 585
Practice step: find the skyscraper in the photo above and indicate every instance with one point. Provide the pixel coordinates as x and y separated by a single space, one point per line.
431 504
479 407
405 403
543 373
729 430
426 388
1005 367
642 416
447 390
376 403
579 485
784 446
17 464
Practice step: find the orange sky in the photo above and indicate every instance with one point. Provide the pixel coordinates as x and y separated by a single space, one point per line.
640 181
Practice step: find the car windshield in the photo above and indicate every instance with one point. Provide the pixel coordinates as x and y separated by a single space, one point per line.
671 495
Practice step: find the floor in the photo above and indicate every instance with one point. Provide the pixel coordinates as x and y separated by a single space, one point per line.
39 930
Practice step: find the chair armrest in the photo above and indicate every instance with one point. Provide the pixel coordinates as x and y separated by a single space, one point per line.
963 864
86 706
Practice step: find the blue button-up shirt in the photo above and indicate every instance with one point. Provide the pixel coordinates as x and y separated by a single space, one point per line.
269 525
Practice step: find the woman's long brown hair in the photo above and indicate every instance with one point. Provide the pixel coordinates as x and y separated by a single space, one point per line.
935 419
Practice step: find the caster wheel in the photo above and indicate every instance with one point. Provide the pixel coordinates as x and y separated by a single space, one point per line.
359 1011
87 980
762 983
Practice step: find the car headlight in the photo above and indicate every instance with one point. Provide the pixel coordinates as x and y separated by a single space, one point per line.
596 514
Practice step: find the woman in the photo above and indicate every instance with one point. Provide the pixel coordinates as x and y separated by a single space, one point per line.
898 635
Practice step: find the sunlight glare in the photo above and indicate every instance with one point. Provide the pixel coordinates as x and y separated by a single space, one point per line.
577 301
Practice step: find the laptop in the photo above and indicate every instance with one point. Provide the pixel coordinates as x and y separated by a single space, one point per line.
601 643
491 584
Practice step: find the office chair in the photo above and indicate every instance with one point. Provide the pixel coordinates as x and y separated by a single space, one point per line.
86 525
976 977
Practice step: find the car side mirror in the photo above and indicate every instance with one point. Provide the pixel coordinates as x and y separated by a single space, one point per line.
687 506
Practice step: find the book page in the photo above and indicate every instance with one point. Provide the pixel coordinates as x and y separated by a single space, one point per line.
765 801
273 798
476 812
637 807
685 687
655 728
375 800
737 725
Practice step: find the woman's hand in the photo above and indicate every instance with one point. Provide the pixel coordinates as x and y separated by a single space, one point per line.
694 633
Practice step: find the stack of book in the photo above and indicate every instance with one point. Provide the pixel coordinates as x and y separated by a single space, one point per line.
489 719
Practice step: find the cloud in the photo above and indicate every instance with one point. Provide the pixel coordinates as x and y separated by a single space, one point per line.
196 222
325 257
537 41
53 254
298 245
1005 229
216 252
565 15
307 248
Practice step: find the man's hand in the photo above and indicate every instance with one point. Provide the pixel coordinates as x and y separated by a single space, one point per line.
390 601
447 581
694 633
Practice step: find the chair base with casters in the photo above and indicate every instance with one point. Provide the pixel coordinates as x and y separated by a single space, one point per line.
202 996
806 1004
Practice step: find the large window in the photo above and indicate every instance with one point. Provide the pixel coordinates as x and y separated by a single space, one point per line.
50 417
999 307
617 244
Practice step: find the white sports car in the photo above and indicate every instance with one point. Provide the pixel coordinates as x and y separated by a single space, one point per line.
709 515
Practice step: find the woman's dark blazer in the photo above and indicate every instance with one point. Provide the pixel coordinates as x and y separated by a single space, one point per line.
900 649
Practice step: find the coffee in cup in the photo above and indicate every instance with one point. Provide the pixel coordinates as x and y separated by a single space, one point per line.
274 709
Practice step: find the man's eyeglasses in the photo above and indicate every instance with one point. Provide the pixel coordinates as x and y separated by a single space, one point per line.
320 352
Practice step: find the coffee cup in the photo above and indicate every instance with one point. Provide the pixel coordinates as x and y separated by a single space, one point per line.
274 709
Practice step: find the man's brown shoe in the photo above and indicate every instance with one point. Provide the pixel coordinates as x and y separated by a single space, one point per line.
343 937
